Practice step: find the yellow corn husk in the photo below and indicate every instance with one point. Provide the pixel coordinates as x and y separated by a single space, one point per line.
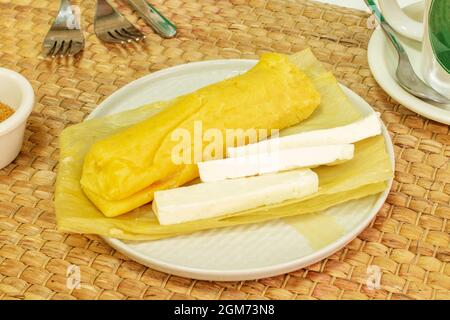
364 175
122 171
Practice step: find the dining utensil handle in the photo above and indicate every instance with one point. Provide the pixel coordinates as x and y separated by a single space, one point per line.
154 18
104 7
65 4
65 12
385 26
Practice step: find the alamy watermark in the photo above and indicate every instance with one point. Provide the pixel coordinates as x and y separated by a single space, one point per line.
73 274
373 280
374 18
74 21
199 144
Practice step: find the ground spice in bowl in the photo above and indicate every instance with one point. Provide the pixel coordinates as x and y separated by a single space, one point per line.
5 112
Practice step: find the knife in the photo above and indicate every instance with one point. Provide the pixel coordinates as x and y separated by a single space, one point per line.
154 18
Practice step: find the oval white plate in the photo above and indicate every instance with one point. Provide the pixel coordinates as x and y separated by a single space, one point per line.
242 252
383 62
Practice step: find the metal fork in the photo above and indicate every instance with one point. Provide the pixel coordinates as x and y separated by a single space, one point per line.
111 26
65 37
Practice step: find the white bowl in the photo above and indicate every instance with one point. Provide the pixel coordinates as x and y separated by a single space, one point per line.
17 93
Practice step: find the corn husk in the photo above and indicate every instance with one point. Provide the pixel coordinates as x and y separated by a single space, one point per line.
364 175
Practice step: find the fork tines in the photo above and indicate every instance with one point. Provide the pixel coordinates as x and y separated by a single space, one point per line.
122 35
62 48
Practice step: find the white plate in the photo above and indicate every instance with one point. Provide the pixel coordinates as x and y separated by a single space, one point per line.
383 62
242 252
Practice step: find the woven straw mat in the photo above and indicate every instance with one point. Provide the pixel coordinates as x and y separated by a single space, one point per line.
409 240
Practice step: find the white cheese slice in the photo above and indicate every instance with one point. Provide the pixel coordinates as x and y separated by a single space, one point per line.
215 199
278 160
367 127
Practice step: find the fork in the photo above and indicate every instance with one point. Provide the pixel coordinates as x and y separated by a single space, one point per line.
65 37
111 26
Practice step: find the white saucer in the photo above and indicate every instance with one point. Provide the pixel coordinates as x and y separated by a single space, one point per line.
383 62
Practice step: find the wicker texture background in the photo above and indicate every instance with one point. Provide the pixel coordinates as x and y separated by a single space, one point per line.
409 240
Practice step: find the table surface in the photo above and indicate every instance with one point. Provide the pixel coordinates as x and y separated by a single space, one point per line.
409 241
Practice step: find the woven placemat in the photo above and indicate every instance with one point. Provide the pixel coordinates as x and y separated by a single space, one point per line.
408 241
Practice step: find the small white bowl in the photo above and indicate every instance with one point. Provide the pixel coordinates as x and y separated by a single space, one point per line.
17 93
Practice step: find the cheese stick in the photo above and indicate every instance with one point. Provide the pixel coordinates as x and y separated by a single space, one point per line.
367 127
220 198
278 160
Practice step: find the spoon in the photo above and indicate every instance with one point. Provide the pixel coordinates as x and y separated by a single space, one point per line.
406 76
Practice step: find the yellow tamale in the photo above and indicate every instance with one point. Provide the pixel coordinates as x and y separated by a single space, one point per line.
122 171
